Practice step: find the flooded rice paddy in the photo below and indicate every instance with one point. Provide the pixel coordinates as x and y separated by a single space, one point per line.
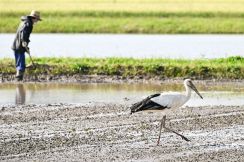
129 45
47 93
92 122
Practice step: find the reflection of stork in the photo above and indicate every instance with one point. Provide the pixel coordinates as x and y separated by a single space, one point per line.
166 102
20 94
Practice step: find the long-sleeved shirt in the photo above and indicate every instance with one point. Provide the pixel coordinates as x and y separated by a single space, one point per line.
23 34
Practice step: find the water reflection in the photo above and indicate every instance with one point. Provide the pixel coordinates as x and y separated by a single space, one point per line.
231 93
20 94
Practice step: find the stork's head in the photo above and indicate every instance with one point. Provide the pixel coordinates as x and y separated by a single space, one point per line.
189 84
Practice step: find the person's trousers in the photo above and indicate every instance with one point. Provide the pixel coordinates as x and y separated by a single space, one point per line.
19 61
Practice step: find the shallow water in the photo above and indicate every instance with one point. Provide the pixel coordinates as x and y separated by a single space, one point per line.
129 45
47 93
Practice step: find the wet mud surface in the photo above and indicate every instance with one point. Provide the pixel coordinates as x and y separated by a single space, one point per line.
107 132
76 78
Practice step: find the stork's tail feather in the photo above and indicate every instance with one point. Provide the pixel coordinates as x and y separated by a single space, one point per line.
139 105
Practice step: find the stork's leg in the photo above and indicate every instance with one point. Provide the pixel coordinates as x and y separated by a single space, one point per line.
162 125
168 129
183 137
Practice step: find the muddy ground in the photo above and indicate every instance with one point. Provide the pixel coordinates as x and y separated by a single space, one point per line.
107 132
76 78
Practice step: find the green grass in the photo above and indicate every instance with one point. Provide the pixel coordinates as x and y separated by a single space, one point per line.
224 68
120 23
127 16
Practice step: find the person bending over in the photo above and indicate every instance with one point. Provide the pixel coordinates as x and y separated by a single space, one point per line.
21 41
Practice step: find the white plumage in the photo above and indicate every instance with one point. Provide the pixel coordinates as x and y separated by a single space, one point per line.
170 100
166 102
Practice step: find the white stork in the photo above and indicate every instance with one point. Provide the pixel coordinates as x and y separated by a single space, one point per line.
166 102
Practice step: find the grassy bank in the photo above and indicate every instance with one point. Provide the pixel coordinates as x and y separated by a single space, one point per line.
223 68
127 16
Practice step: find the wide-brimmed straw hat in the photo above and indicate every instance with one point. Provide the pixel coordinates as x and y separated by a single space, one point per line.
36 14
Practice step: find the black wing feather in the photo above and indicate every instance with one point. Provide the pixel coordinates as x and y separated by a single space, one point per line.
146 104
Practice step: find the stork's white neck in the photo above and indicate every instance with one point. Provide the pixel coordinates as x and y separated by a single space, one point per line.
188 92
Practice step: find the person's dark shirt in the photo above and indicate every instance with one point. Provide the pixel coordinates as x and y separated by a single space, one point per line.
23 34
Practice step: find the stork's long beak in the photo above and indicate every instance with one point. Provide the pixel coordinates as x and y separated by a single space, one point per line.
195 89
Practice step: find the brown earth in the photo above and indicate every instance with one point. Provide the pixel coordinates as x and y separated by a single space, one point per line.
107 132
6 78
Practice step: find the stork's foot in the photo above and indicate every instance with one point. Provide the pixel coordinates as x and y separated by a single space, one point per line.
158 142
184 138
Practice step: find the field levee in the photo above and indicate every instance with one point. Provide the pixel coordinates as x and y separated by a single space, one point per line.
51 69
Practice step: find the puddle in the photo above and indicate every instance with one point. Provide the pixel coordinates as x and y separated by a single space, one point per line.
47 93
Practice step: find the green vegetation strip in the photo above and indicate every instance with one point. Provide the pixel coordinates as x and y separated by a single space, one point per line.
223 68
129 22
127 16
